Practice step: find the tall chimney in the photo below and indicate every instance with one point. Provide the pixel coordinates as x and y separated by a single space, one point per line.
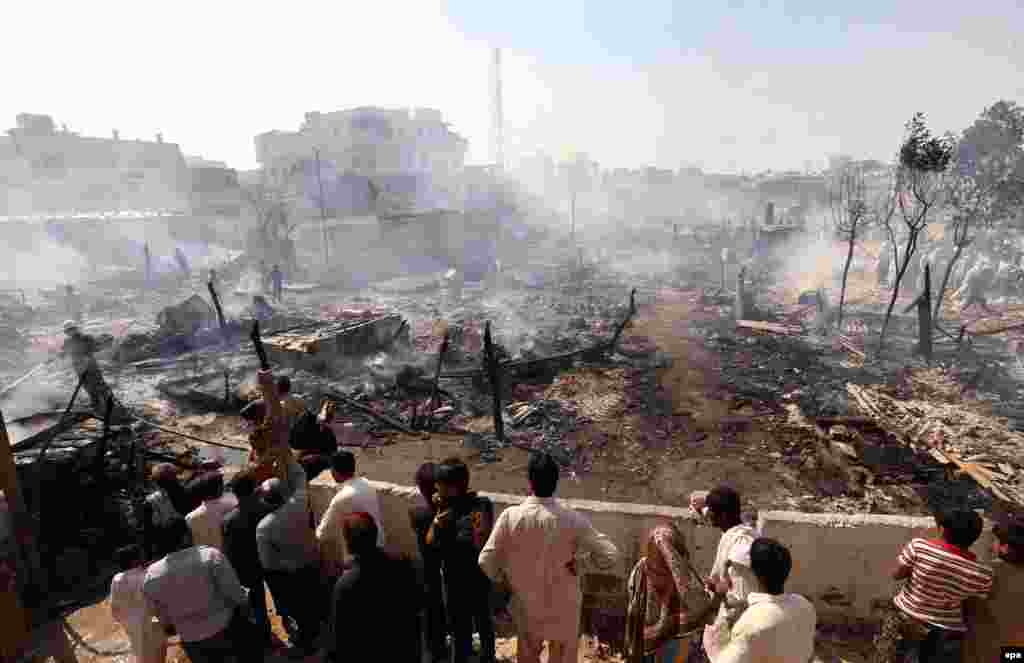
117 135
769 214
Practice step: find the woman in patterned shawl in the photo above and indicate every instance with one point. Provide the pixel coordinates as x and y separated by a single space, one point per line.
667 604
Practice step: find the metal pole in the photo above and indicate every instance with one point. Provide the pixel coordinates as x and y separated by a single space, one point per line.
323 211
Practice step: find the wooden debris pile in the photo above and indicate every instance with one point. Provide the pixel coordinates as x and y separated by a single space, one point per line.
955 435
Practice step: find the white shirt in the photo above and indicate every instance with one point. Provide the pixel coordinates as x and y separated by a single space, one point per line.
206 521
528 549
734 549
353 496
130 610
774 629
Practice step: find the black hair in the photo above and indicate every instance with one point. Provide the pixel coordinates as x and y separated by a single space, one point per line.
724 501
129 557
960 526
208 486
1010 532
453 471
425 480
771 563
343 462
274 492
284 384
243 485
360 532
254 411
542 471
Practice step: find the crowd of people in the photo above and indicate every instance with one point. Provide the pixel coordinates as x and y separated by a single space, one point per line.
341 588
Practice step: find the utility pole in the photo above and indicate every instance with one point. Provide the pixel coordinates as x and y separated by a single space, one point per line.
323 209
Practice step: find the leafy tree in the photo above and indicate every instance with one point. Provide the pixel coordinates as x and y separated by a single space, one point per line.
986 187
918 181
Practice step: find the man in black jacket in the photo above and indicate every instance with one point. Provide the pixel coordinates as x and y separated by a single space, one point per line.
376 602
421 516
458 533
239 530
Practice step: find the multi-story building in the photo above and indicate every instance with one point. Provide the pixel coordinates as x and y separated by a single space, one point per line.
215 188
358 155
44 170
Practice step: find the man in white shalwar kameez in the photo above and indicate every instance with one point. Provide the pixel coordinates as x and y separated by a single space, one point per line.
129 609
534 550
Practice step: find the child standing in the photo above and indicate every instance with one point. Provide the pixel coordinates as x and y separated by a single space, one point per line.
940 574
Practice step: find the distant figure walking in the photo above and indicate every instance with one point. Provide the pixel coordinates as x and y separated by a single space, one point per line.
149 264
179 255
73 303
277 280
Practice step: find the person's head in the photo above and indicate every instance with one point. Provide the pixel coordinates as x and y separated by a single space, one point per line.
958 526
254 412
284 385
343 465
452 478
360 532
130 557
164 472
659 573
1008 542
209 486
771 563
723 505
542 473
425 480
273 492
243 485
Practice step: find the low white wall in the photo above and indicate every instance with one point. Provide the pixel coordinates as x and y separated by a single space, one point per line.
843 563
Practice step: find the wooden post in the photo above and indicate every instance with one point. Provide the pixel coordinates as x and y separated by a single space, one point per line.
493 371
924 316
739 303
437 373
14 635
216 304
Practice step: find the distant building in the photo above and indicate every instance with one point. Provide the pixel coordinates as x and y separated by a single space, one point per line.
215 188
44 170
360 155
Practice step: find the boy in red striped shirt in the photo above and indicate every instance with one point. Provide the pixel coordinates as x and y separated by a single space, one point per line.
940 574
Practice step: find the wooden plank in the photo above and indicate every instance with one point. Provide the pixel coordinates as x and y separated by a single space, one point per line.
771 327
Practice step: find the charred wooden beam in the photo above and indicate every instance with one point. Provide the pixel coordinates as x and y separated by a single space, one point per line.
494 373
390 421
216 305
437 372
258 345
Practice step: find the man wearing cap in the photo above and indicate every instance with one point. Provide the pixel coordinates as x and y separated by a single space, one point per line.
82 348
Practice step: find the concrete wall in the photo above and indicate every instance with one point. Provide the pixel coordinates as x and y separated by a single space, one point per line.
843 563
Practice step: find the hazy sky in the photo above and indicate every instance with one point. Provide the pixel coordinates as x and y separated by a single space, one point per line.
725 85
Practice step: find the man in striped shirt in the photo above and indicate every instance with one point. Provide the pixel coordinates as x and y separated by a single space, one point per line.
940 574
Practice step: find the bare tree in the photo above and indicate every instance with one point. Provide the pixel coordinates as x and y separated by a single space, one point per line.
917 185
847 198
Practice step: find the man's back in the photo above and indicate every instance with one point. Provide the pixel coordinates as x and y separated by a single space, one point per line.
240 534
206 521
532 547
773 629
368 623
285 539
195 590
353 496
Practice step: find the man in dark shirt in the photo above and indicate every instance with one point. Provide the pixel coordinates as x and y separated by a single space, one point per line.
458 533
376 602
421 516
277 280
240 548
